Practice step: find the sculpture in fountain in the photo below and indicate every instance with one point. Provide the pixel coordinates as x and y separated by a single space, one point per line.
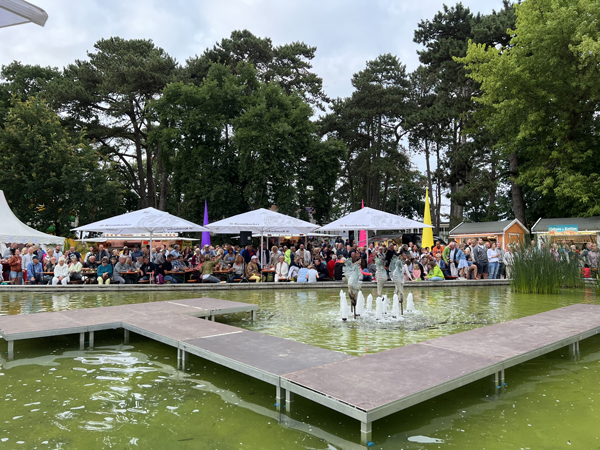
397 276
380 273
352 273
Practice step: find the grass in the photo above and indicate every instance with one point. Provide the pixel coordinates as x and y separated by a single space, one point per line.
537 271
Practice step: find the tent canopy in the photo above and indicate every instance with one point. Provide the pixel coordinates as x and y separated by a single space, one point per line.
262 222
17 12
372 219
14 231
148 220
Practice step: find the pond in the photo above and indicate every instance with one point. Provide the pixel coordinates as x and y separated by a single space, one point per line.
131 396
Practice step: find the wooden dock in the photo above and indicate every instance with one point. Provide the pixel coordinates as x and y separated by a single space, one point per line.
366 388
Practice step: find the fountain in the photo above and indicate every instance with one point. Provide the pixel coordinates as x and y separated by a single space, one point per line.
410 304
369 303
360 303
343 306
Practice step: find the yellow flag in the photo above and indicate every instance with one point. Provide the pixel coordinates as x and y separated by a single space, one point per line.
427 240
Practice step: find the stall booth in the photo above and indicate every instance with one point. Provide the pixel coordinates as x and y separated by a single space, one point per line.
502 232
575 231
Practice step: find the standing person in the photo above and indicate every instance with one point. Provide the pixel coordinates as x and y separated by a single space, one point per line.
57 252
438 249
136 253
34 271
501 265
493 261
72 252
102 253
16 266
105 271
248 253
92 252
481 259
264 256
509 260
26 259
304 255
61 273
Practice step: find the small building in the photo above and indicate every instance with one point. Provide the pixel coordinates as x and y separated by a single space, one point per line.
576 231
502 232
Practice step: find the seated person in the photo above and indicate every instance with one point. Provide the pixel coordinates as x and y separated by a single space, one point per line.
131 278
238 269
147 269
366 275
312 275
139 262
180 266
208 268
50 265
105 271
162 269
89 267
331 266
321 268
434 273
34 271
293 272
302 275
281 269
61 273
253 271
118 270
75 268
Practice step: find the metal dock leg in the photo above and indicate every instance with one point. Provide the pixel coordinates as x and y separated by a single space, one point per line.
502 378
82 341
212 317
184 357
253 315
11 349
125 337
178 358
91 340
574 350
289 399
279 397
366 432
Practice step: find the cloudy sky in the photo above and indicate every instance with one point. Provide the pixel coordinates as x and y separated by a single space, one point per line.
346 33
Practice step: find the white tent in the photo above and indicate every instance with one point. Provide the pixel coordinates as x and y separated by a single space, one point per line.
148 220
14 231
262 222
372 219
17 12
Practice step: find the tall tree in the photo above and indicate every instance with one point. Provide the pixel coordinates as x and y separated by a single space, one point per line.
543 101
371 122
49 175
108 95
288 65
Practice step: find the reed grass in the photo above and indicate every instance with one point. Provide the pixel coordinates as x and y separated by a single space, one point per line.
536 271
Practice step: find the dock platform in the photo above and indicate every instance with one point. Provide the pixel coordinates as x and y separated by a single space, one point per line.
389 381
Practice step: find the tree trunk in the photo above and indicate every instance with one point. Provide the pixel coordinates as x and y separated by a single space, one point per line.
492 198
516 190
164 180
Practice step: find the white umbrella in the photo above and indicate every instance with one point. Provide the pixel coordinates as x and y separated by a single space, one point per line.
262 222
16 12
372 219
148 220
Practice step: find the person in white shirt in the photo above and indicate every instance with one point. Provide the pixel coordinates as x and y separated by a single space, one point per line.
281 269
61 273
312 274
304 255
26 258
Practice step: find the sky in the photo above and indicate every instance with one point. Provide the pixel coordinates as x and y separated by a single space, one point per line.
346 33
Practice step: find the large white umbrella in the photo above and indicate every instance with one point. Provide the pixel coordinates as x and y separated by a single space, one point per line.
148 220
262 222
16 12
372 219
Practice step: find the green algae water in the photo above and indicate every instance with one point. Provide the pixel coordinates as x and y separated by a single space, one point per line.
130 396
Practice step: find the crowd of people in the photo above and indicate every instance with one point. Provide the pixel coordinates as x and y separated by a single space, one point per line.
289 262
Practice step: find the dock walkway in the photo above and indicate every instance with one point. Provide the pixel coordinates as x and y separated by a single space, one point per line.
366 388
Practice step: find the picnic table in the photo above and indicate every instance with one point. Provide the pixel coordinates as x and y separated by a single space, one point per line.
270 274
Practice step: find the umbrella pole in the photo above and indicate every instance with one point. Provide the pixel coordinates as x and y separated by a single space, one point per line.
262 256
151 253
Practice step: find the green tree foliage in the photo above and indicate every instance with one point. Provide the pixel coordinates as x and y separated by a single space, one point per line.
243 144
108 95
371 124
50 175
288 65
542 98
465 158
